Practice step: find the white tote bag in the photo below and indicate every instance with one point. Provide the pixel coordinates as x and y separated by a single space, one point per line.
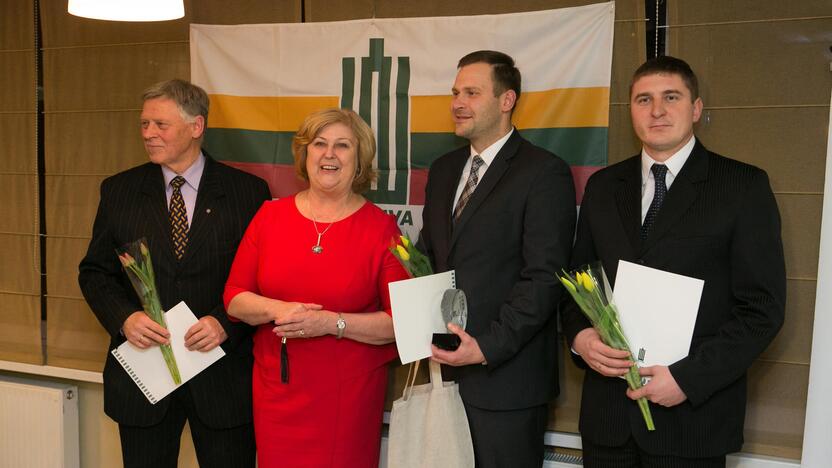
428 425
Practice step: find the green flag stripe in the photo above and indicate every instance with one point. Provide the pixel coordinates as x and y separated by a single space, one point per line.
370 64
348 85
365 90
402 113
425 147
249 146
577 146
585 146
383 113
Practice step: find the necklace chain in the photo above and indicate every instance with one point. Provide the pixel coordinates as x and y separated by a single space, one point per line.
317 248
315 224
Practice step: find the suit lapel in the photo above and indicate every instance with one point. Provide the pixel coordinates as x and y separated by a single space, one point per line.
205 209
155 208
681 195
493 175
628 201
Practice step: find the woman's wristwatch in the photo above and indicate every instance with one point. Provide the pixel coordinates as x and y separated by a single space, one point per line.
340 325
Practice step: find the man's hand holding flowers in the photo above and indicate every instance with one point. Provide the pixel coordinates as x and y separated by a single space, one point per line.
142 332
605 360
597 345
610 362
662 388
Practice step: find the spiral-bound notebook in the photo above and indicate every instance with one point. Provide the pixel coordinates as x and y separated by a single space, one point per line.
147 366
417 313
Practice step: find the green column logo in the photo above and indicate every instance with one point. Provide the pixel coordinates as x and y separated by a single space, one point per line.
386 108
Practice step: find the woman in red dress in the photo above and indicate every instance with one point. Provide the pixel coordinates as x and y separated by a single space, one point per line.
312 273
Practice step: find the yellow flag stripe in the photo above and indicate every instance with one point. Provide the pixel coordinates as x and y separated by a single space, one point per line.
556 108
588 107
268 113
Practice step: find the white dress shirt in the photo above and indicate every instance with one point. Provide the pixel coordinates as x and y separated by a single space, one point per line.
487 156
648 182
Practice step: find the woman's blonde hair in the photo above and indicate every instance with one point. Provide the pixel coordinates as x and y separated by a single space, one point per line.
366 150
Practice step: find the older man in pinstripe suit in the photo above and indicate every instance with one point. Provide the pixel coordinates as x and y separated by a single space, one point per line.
193 211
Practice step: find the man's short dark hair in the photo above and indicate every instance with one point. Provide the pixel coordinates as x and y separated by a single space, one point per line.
666 64
505 75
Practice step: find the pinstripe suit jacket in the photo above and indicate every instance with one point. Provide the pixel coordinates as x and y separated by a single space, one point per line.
132 206
720 223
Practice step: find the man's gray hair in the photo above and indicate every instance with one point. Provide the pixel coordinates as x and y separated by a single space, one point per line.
190 98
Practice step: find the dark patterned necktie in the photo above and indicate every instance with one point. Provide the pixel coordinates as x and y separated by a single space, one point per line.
470 185
178 218
659 171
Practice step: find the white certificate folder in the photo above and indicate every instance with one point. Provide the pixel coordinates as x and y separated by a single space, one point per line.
417 313
147 366
657 310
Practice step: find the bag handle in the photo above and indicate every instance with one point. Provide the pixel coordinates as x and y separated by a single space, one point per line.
435 374
411 379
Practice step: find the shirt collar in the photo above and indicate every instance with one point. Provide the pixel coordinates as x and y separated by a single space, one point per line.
490 153
192 175
674 163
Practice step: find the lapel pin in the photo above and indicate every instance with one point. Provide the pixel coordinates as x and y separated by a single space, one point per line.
208 211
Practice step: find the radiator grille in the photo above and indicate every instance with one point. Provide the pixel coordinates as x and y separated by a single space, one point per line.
38 424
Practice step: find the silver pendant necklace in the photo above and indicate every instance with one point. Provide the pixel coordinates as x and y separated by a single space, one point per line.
317 249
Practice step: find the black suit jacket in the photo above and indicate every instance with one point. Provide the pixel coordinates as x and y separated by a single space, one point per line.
132 206
719 222
514 234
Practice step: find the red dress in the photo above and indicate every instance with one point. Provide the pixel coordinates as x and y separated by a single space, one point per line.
329 414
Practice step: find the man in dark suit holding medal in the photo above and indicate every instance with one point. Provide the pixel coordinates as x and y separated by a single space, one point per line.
680 208
192 211
501 212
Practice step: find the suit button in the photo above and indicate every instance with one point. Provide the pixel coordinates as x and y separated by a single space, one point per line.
178 284
640 262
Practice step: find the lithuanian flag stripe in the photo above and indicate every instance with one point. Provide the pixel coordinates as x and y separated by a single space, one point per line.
283 181
576 146
273 114
587 107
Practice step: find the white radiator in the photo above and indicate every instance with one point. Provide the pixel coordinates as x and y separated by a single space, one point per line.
38 424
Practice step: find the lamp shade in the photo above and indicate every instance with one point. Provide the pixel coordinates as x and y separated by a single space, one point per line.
127 10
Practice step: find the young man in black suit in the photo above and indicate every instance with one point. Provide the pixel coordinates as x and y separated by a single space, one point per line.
218 202
680 208
501 212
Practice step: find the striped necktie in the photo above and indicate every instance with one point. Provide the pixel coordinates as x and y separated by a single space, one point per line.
178 218
470 185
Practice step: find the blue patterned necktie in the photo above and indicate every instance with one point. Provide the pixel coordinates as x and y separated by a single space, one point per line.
470 185
659 171
178 218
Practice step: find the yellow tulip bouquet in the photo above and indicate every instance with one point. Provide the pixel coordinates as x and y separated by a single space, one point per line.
589 287
414 261
135 258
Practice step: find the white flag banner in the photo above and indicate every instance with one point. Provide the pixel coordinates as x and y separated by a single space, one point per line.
263 79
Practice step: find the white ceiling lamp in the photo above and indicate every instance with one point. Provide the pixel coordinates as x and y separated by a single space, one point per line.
128 10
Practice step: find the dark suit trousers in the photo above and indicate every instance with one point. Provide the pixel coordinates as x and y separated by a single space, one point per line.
508 439
158 446
630 455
